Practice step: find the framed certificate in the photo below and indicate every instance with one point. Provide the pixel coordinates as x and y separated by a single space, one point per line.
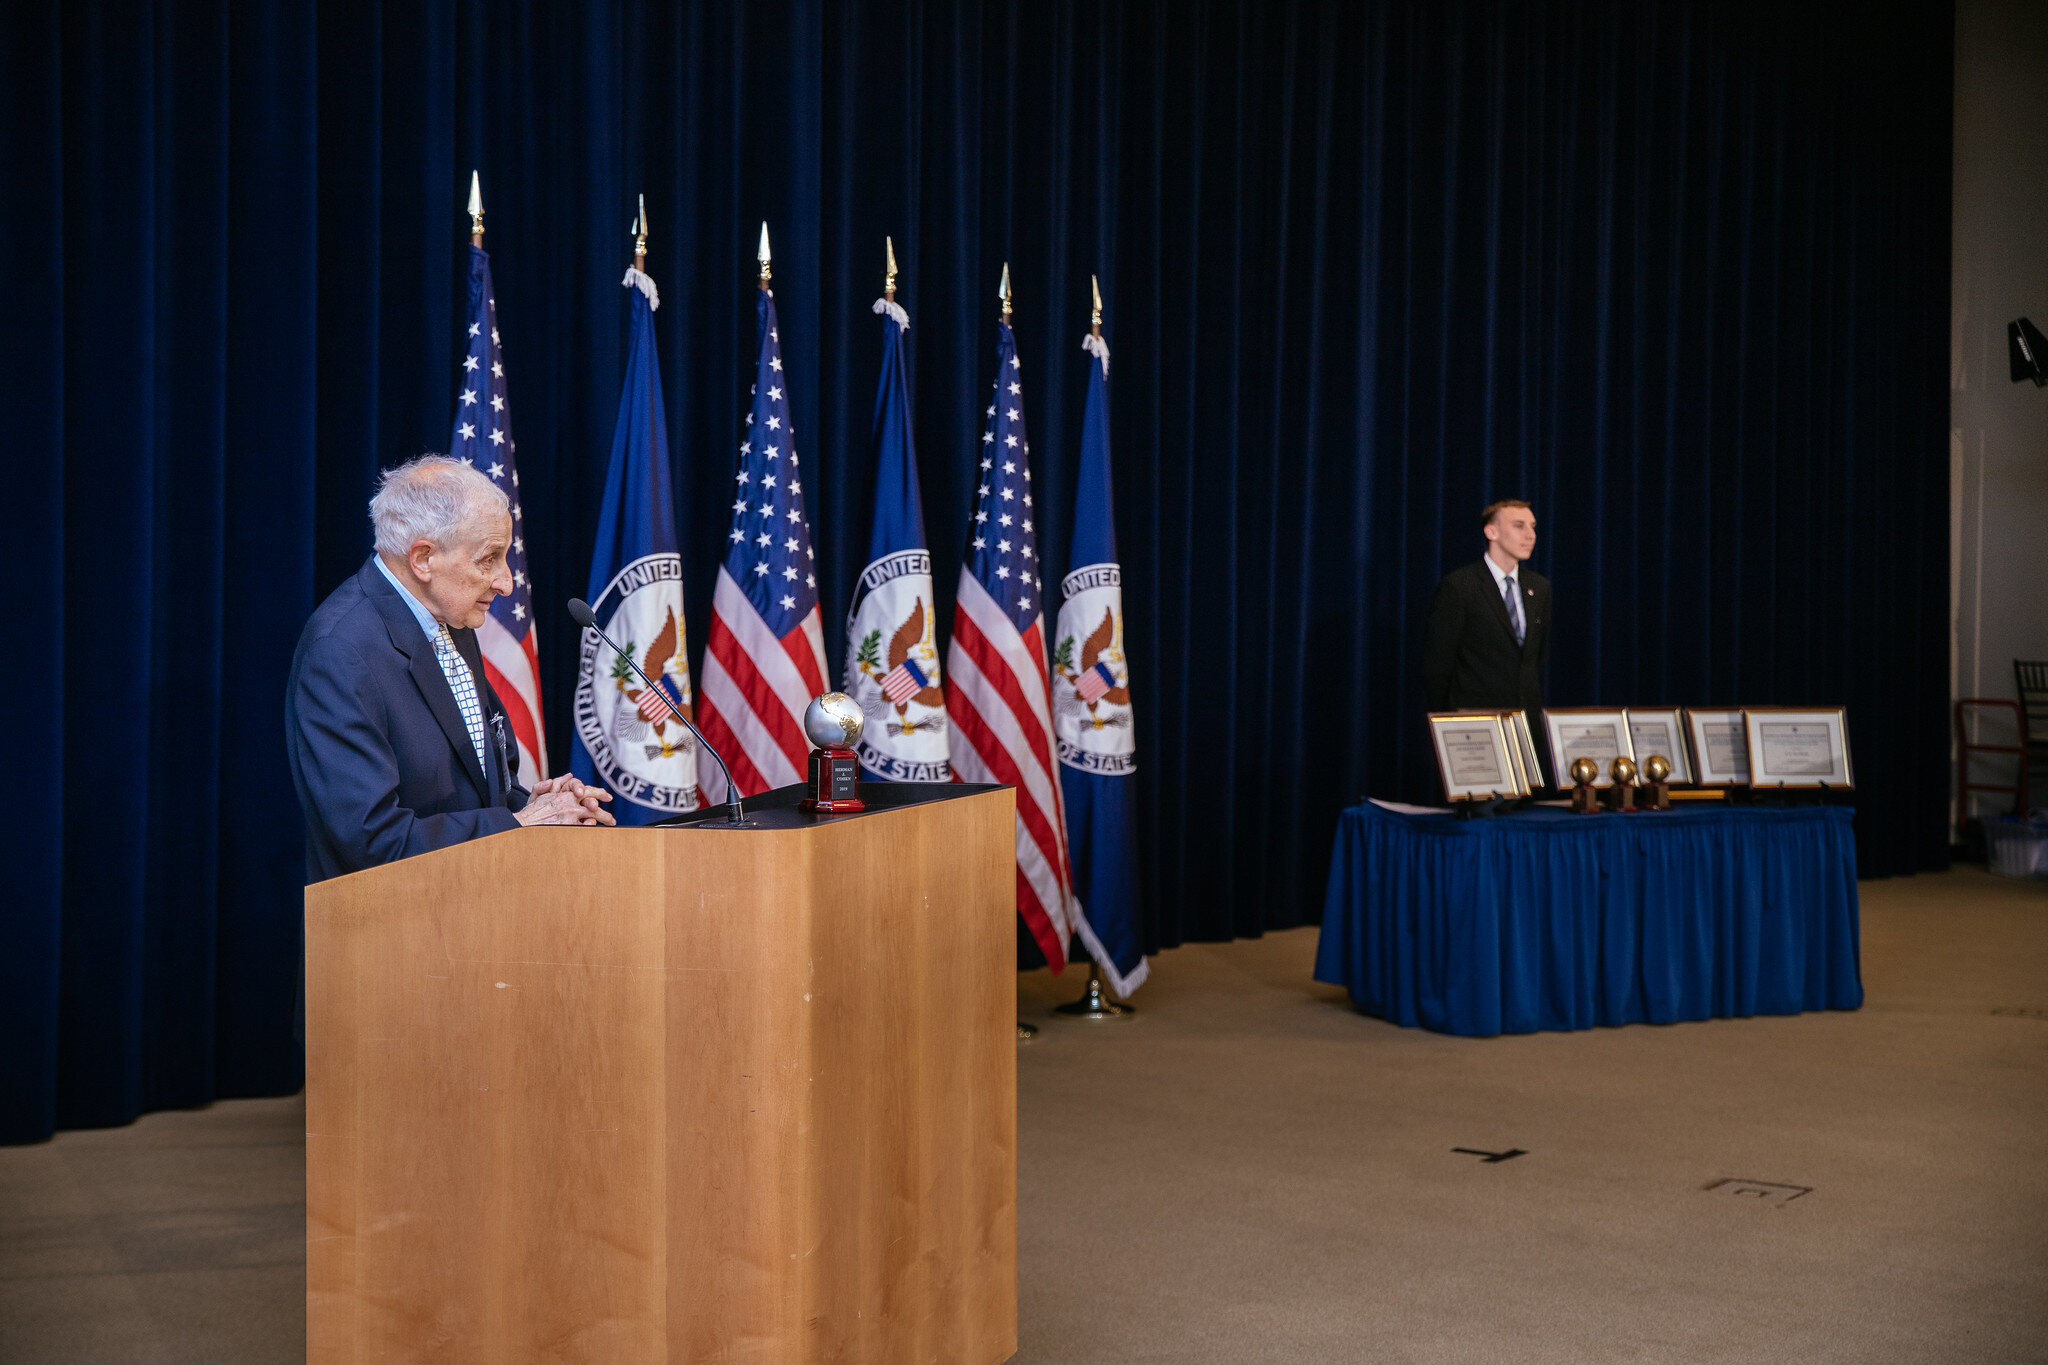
1792 746
1720 747
1521 747
1661 730
1596 732
1472 756
1518 721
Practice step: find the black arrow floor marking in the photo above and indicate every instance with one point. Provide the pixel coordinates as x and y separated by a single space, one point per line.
1492 1158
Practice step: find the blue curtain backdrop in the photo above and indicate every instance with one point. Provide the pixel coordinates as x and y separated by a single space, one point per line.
1676 271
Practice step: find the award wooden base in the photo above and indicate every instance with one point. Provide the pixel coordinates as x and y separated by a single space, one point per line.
835 782
1585 799
1624 797
1659 796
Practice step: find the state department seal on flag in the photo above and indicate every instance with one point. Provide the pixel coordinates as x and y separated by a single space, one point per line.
1091 692
894 671
638 747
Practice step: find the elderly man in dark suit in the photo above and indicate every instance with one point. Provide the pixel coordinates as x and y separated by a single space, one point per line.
1489 627
397 743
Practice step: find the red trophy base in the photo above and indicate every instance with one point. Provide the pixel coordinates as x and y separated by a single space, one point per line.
835 782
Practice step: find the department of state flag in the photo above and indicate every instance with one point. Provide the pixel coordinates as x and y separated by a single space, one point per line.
892 652
1091 697
483 440
997 694
765 659
626 737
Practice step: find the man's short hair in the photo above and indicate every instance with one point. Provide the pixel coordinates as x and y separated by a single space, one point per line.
1494 509
433 498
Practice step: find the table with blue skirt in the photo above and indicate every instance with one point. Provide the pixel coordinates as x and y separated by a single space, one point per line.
1548 920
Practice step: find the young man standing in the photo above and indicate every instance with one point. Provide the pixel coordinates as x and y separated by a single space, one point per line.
1489 627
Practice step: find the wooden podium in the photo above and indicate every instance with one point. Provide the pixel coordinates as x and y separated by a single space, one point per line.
671 1094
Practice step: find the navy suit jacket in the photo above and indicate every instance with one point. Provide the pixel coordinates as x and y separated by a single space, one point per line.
383 763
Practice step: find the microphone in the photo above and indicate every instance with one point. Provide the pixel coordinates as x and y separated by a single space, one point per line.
582 615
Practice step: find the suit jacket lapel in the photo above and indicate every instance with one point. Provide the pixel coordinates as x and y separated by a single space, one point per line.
425 667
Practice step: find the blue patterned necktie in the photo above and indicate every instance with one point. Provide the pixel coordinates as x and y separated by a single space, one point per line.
1514 600
460 681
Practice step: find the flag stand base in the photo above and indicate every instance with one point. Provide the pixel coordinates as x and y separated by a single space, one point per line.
1093 1004
1026 1032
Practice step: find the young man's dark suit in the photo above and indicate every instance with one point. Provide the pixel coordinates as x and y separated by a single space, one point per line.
379 752
1469 655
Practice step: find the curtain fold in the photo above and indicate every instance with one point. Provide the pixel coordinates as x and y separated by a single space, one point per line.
1676 272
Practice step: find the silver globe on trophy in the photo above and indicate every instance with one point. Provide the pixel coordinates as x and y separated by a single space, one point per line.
833 723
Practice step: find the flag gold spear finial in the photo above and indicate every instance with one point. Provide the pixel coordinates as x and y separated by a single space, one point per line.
1004 292
762 256
1095 319
476 210
889 279
640 238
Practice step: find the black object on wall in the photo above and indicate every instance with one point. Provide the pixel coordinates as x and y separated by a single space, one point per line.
1676 272
2027 351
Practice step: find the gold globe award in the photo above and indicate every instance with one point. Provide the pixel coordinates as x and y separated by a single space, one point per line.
1657 771
1623 771
1585 801
833 722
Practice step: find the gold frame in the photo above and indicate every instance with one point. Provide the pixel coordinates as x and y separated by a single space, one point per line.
1562 765
1680 733
1839 719
1521 743
1699 750
1511 761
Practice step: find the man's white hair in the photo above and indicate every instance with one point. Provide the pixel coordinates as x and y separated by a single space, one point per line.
435 498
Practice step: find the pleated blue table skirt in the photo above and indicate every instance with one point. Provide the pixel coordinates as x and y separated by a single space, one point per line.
1548 920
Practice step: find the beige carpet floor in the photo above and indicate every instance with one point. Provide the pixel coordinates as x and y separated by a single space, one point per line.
1251 1171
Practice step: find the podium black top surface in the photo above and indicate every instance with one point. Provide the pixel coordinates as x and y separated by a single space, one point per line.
778 809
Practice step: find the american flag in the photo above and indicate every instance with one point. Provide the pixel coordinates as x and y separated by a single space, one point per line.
765 659
998 695
483 440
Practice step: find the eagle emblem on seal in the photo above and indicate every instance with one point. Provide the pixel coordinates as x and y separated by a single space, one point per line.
647 713
1099 679
907 673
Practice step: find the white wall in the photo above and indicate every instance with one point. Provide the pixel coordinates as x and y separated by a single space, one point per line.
1998 439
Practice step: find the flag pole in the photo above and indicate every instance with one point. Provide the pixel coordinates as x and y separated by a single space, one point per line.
1094 1002
1025 1032
762 255
640 238
889 276
476 210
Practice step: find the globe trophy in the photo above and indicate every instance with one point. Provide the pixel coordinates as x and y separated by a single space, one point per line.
833 722
1585 801
1657 769
1623 771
